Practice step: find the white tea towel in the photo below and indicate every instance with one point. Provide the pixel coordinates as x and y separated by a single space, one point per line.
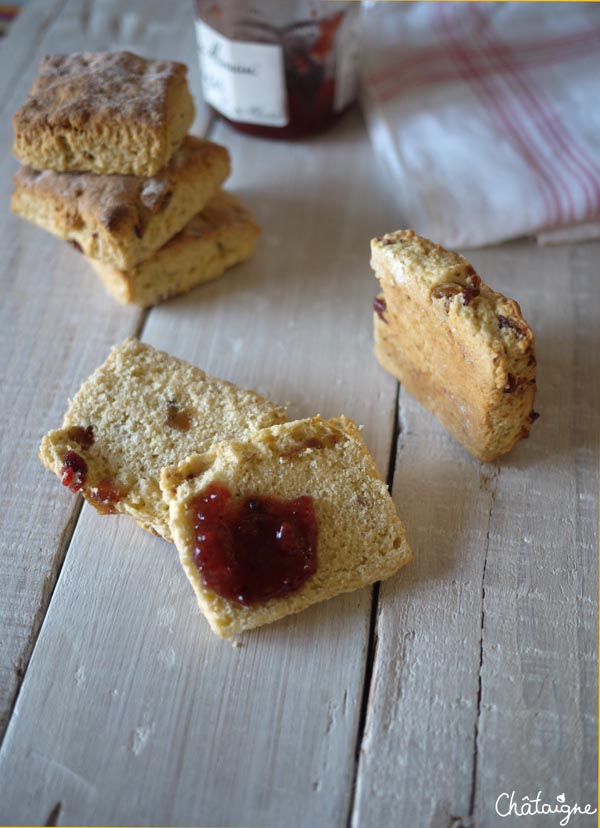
487 117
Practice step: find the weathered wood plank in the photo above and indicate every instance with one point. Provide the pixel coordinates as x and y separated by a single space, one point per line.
538 722
504 573
22 45
416 759
56 322
484 673
150 719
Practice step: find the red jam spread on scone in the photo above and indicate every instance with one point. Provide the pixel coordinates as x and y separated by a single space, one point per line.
73 471
253 548
104 495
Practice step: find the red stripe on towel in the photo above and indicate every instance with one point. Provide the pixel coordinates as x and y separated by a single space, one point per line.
547 121
523 54
502 111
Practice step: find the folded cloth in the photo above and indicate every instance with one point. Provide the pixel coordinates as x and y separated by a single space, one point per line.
486 117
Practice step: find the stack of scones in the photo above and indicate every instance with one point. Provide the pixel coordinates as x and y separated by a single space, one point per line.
108 165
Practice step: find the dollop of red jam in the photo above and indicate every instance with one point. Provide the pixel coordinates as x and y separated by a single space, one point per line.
73 471
83 436
104 495
254 548
380 307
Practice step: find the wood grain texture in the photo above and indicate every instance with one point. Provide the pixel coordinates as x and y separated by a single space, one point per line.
27 31
186 729
484 670
416 760
56 322
538 721
484 679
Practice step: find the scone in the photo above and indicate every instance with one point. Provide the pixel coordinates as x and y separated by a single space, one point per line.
220 236
121 219
140 411
463 350
268 525
112 113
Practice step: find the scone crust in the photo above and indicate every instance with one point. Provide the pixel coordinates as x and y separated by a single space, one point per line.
360 537
130 402
462 349
120 219
219 237
106 112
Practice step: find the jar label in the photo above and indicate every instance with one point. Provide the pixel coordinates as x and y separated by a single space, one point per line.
243 81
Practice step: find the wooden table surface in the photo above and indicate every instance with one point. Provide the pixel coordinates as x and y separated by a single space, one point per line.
470 674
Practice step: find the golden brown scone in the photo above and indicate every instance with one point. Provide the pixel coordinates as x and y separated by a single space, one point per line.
463 350
120 219
106 112
280 563
220 236
140 411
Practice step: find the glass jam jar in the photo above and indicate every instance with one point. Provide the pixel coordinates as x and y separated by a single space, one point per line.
279 68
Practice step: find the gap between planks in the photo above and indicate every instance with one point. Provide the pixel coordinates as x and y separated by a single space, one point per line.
491 483
42 611
372 639
50 585
64 546
44 27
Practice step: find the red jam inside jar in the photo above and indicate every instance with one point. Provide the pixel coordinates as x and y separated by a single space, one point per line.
253 548
278 68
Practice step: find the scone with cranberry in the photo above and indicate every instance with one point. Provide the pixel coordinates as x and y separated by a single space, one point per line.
121 220
463 350
220 236
140 411
272 523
